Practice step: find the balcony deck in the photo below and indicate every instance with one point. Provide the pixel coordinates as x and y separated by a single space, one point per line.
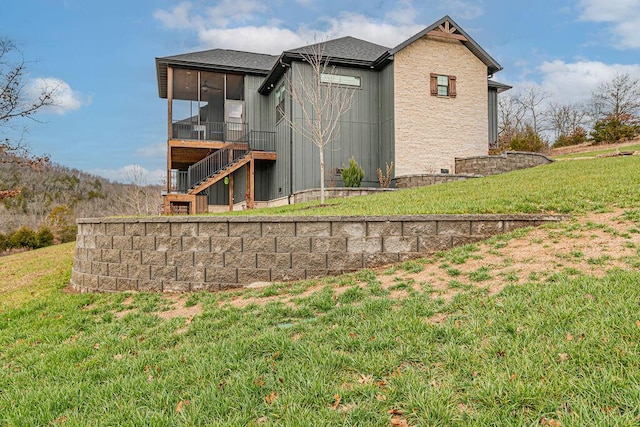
192 142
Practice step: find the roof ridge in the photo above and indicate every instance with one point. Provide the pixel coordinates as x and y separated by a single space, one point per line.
334 40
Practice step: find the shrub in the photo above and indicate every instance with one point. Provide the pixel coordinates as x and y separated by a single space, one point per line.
526 140
24 237
44 237
4 242
61 220
353 174
385 180
612 129
578 136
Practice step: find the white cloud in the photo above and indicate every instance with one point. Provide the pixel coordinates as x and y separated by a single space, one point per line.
133 173
464 9
221 15
264 39
234 11
178 17
575 81
214 31
571 82
623 15
65 99
153 150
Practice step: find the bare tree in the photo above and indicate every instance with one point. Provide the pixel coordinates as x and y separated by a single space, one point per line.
532 101
322 101
17 102
565 119
511 116
618 99
138 197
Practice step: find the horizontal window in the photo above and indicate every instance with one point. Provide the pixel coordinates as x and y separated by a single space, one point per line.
340 79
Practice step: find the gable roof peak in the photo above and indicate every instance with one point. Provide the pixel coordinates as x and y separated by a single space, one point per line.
446 27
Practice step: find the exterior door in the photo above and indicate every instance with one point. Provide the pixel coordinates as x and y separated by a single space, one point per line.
235 120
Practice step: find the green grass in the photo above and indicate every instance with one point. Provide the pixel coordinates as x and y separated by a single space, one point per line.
596 153
563 346
565 349
561 187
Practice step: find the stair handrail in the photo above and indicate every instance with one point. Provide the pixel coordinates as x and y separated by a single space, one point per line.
226 156
213 164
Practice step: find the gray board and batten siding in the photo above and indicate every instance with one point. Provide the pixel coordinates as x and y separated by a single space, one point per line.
366 133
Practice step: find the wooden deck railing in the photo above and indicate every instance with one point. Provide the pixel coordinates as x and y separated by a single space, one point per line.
209 131
219 160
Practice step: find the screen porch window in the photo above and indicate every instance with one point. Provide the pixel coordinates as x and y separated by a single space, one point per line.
443 85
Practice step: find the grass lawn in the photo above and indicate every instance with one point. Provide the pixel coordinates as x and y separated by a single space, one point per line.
596 153
562 187
536 327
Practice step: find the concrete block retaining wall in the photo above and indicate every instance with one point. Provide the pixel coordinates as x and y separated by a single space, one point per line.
180 254
505 162
411 181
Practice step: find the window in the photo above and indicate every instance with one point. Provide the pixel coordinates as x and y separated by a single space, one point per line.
340 79
442 85
280 95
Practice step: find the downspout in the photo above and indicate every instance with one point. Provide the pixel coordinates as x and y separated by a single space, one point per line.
290 134
291 144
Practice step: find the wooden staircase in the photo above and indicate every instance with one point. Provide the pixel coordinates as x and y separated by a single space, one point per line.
226 170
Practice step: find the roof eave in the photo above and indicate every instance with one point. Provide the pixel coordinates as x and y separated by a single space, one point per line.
499 87
288 57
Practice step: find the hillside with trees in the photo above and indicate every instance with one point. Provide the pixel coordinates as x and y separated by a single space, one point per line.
53 196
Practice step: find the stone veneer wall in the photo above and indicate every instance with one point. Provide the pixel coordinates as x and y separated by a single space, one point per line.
411 181
430 131
505 162
179 254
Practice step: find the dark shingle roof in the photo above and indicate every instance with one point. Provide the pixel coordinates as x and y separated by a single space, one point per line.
226 58
216 59
345 51
347 48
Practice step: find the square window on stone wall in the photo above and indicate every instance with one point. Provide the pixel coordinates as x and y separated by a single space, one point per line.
443 85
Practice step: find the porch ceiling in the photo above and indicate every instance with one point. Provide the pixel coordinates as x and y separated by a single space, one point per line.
183 157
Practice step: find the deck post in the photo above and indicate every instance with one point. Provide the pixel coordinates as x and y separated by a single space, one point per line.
231 192
169 123
250 184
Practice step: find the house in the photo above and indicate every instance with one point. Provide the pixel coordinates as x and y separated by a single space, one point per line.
420 105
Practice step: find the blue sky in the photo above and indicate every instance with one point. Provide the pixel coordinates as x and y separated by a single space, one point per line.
101 55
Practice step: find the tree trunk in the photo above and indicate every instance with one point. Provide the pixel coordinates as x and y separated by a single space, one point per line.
321 150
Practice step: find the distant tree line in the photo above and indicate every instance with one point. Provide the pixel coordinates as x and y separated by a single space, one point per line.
54 196
527 122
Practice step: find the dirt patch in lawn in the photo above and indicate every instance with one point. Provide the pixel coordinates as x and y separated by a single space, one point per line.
588 245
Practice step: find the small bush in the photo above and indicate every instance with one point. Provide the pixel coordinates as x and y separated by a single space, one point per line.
24 237
578 136
385 180
528 140
4 242
353 174
44 237
612 129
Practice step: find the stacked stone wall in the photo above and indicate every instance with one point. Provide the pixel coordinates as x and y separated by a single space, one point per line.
181 254
505 162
